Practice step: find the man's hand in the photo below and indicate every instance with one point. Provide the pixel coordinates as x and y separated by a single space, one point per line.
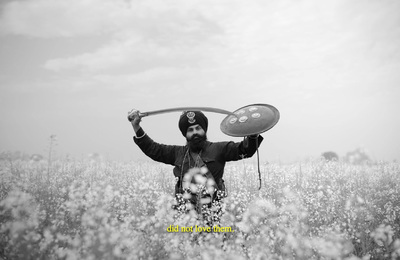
255 136
135 119
132 114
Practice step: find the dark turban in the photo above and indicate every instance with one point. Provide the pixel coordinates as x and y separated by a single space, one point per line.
189 118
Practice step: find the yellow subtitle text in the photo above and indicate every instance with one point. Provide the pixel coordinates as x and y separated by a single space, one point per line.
198 229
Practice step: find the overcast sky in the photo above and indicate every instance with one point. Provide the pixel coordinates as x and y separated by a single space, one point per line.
74 68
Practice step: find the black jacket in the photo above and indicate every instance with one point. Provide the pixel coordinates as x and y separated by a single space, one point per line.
214 155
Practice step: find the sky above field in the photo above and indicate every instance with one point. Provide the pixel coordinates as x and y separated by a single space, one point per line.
74 68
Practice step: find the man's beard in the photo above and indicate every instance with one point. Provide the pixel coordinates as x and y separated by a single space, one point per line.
196 142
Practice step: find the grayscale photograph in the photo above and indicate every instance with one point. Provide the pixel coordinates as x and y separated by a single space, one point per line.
190 129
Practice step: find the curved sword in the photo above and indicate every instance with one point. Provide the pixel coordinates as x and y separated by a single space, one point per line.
175 109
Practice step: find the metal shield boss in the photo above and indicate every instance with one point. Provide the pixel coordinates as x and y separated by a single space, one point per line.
250 120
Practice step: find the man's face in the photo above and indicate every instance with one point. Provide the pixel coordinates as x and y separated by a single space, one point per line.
196 136
194 131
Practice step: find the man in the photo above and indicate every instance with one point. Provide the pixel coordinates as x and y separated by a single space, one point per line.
197 153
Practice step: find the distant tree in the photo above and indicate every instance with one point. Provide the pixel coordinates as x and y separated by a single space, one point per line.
95 157
37 157
330 156
14 155
5 156
358 156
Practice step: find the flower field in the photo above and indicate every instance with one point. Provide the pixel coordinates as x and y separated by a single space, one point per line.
113 210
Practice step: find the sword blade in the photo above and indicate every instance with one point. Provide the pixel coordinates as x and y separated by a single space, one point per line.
176 109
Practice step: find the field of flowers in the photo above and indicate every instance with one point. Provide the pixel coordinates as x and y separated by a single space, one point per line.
113 210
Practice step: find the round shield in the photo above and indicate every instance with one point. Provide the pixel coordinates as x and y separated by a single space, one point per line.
250 120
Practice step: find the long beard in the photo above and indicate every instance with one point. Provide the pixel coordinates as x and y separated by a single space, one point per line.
196 142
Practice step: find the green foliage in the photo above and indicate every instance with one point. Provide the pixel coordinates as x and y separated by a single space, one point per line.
111 210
